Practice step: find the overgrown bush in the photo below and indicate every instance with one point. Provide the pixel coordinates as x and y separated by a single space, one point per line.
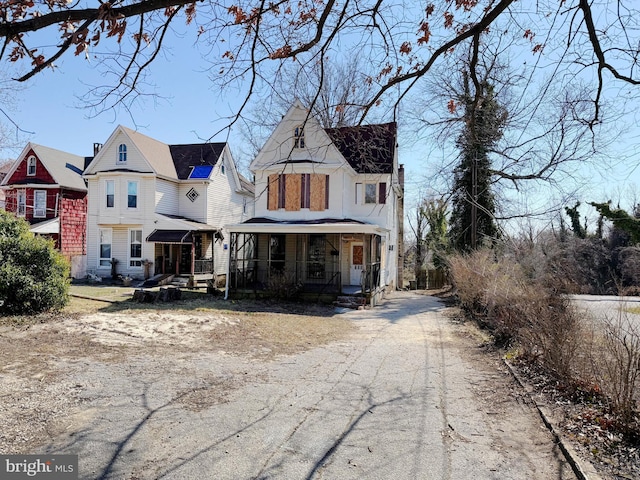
498 294
283 285
580 353
34 277
617 364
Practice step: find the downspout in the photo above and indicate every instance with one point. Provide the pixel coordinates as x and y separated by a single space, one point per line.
226 280
193 255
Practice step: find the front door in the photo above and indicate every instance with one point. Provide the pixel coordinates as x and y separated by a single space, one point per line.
355 270
185 259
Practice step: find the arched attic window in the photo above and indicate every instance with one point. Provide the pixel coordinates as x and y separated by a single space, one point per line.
122 153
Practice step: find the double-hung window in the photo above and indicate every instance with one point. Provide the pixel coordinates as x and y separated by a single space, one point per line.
104 247
370 193
110 191
31 166
374 193
40 203
132 194
135 248
122 153
298 137
21 204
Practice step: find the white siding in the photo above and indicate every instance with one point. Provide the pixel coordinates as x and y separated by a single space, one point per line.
92 225
196 210
109 156
166 197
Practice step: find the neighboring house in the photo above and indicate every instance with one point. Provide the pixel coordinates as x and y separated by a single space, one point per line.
45 187
158 210
328 211
4 169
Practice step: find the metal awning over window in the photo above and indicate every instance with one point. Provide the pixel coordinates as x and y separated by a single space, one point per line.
170 236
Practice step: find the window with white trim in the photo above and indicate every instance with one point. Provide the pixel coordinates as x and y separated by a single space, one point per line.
298 137
122 153
371 193
21 204
110 192
31 166
40 203
135 248
104 247
132 194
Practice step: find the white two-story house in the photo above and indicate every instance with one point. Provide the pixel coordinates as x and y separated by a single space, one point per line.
158 210
328 210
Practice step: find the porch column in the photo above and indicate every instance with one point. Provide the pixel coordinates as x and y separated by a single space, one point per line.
193 255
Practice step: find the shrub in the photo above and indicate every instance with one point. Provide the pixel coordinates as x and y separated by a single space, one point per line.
34 277
617 363
497 293
283 285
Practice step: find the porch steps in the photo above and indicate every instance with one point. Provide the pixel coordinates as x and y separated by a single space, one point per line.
159 279
180 281
350 301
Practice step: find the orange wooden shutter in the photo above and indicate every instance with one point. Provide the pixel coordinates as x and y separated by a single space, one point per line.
272 189
292 192
318 185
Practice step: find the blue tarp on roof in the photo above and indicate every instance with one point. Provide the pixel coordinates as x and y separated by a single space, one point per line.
201 171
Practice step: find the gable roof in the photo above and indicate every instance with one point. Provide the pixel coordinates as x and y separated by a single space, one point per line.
65 168
156 153
193 155
246 184
367 148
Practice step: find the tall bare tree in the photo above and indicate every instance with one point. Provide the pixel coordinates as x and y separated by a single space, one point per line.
253 41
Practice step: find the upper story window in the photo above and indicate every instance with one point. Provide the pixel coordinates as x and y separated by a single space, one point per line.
122 153
298 137
294 191
31 166
374 193
40 203
110 191
370 193
222 171
132 194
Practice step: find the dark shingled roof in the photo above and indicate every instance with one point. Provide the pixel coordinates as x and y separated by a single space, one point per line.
367 148
187 156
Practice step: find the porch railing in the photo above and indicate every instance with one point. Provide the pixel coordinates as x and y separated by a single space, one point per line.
302 276
204 265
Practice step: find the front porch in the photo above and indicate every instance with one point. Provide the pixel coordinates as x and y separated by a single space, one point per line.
188 254
314 266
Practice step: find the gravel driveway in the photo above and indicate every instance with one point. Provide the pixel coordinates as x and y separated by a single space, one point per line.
407 393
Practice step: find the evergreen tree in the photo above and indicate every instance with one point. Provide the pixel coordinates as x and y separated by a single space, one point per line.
472 219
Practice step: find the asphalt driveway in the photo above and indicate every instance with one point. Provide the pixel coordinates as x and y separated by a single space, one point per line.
411 394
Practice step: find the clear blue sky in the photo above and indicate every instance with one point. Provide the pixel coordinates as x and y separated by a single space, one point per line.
192 111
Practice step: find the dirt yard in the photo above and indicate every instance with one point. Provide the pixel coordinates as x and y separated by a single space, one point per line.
38 352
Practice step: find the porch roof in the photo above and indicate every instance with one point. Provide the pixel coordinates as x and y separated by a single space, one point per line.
175 229
48 227
170 236
322 225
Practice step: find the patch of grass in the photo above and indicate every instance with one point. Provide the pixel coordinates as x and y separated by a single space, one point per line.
634 310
